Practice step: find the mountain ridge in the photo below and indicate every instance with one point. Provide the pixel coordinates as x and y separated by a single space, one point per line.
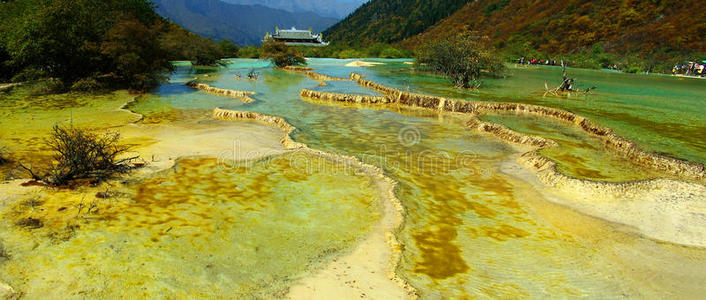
326 8
599 32
390 21
573 26
243 24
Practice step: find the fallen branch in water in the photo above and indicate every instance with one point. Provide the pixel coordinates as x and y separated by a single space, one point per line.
567 85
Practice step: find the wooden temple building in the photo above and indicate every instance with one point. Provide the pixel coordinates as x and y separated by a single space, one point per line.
296 37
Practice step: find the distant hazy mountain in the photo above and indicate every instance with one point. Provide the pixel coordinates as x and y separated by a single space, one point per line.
328 8
244 24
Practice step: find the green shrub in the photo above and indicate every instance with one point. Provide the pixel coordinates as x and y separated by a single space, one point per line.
228 49
583 61
29 74
632 69
75 39
3 155
282 55
605 60
391 53
597 49
87 85
48 86
249 52
463 58
349 53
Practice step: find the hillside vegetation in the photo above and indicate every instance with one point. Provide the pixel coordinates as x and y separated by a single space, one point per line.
636 35
91 44
389 21
652 34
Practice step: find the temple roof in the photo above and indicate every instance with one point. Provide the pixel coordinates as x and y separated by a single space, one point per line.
294 37
295 34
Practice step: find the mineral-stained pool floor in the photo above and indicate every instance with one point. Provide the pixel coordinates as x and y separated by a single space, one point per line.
472 228
202 229
26 120
577 154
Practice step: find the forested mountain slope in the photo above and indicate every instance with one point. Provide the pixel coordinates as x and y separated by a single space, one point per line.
93 44
390 21
654 29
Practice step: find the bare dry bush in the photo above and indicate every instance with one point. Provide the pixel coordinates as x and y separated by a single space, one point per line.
3 155
84 156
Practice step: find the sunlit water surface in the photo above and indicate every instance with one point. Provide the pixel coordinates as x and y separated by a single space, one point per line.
471 228
204 229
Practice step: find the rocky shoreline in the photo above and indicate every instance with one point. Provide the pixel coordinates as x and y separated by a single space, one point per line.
329 96
309 72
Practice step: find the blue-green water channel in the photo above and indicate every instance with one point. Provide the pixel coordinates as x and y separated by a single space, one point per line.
472 229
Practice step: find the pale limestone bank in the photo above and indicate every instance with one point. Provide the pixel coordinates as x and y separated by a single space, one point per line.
7 292
369 270
8 86
243 95
663 209
335 97
277 122
309 72
297 68
323 77
360 63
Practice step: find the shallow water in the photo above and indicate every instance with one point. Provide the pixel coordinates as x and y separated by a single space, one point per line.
203 229
661 113
472 228
26 121
578 154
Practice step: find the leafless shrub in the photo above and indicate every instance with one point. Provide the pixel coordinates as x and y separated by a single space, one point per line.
84 156
32 202
30 222
3 252
3 155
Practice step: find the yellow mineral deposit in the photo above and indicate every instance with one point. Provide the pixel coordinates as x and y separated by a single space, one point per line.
393 195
